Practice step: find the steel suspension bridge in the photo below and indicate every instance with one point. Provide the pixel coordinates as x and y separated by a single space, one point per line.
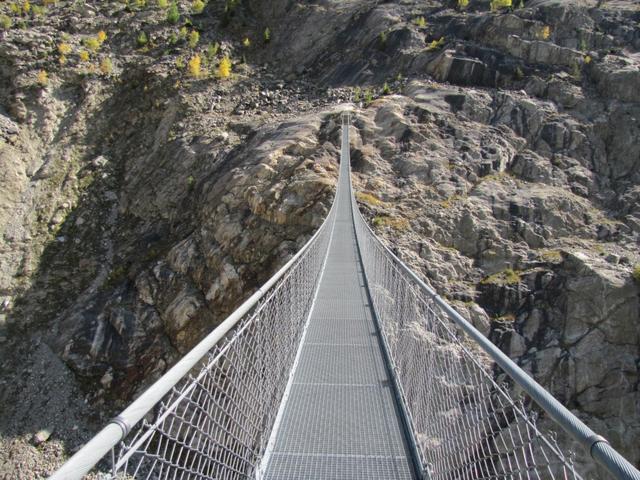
344 365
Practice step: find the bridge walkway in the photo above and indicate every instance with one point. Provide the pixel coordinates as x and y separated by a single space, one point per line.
340 419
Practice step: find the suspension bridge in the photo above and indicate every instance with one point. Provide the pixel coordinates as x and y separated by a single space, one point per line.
345 365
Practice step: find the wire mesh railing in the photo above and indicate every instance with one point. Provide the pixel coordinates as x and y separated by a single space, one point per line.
211 415
471 412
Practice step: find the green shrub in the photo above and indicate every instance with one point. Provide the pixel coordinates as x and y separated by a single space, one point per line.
636 273
435 44
386 90
357 94
163 3
173 14
142 39
212 50
6 22
462 4
194 38
368 96
198 6
266 35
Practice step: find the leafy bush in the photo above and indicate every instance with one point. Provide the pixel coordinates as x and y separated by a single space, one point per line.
92 44
173 14
194 38
43 78
212 50
64 48
246 42
38 11
163 3
498 4
106 66
26 8
15 9
6 22
84 56
368 96
142 39
420 22
224 67
266 35
46 3
197 6
141 3
386 90
62 60
101 36
462 4
194 66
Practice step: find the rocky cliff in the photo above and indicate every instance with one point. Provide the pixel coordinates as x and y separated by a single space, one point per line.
144 196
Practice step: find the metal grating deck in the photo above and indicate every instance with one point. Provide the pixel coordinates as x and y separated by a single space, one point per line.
340 420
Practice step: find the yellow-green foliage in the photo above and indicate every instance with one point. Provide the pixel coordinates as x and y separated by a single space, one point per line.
397 223
15 9
84 56
6 22
224 67
142 39
357 94
462 4
46 3
506 277
266 35
92 44
141 3
38 11
101 36
420 22
64 48
173 14
587 59
369 198
26 7
636 273
545 32
498 4
246 42
368 96
212 50
43 78
194 66
386 89
194 38
62 60
434 45
106 66
163 4
197 6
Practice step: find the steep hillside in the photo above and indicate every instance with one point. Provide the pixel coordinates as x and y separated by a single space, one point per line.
144 193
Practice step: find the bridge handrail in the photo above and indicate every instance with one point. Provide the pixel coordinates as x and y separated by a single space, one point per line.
120 426
598 447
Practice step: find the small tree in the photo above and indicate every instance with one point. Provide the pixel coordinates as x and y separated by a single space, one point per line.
106 66
43 78
194 38
194 66
224 67
173 14
266 35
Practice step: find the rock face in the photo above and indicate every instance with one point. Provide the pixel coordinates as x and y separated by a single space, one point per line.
140 206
